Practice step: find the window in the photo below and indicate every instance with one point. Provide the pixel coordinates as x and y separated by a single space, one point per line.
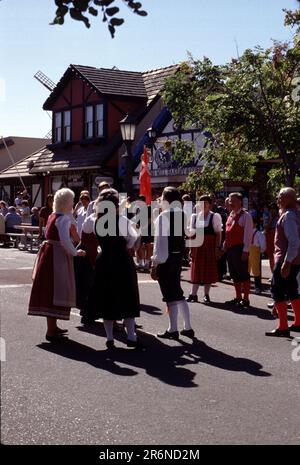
67 125
89 122
99 120
57 127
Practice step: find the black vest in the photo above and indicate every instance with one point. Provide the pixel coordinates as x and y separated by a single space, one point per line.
176 239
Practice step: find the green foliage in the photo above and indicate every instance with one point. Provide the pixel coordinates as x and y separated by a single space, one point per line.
250 105
184 151
276 180
79 9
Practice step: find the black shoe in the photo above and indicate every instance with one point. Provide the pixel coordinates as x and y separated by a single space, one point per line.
271 305
295 328
61 331
188 333
169 335
232 302
58 337
278 333
244 303
206 299
135 344
110 345
192 298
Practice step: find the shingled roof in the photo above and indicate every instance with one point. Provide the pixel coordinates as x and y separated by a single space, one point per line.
116 82
22 167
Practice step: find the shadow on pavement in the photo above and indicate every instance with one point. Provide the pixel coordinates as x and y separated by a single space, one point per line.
250 311
151 309
165 362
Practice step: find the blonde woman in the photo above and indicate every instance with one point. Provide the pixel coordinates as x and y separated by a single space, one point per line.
53 291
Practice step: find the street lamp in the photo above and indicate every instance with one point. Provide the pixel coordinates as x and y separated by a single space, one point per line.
128 128
152 137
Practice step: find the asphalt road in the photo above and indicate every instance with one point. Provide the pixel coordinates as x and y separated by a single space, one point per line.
232 386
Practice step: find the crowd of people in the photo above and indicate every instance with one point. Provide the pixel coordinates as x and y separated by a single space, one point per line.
94 261
147 238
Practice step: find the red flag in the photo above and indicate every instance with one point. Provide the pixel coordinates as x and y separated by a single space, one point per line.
145 178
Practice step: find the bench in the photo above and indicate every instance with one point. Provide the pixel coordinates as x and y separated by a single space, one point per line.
15 238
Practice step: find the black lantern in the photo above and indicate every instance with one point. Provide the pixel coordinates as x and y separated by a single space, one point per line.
128 128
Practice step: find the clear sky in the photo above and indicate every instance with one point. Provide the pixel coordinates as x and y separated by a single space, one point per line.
173 27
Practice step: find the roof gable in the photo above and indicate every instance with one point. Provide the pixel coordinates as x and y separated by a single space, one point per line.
115 82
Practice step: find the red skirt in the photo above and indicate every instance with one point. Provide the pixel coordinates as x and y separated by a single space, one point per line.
204 268
42 292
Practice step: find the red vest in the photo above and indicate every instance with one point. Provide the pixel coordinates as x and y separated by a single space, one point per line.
234 232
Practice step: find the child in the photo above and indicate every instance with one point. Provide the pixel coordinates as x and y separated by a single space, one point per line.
257 247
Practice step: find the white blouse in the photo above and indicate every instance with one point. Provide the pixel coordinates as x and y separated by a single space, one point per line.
88 226
197 222
63 224
126 228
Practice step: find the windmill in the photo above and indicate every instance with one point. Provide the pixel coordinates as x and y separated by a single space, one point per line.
50 85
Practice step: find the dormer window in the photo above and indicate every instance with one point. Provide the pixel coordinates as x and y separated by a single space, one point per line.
62 126
99 121
67 126
57 127
94 121
89 122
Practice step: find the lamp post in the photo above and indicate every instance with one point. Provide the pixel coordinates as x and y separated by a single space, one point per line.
128 128
152 136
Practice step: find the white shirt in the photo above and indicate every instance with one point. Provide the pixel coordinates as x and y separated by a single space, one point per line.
88 226
259 240
63 224
197 222
81 216
161 238
126 229
90 208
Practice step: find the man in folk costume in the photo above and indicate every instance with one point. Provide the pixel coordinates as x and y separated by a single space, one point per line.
238 238
284 285
167 258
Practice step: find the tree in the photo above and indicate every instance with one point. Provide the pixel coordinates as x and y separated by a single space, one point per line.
251 106
81 10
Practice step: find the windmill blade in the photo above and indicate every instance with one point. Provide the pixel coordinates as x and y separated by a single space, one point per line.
48 135
44 80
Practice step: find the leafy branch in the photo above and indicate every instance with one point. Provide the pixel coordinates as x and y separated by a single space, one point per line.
82 10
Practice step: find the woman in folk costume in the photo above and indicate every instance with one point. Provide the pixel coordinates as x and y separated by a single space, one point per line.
169 245
204 269
85 266
114 294
53 289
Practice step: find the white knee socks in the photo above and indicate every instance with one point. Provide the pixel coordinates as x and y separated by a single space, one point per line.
109 326
185 311
173 315
130 329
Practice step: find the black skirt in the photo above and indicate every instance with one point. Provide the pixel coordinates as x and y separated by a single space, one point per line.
114 293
